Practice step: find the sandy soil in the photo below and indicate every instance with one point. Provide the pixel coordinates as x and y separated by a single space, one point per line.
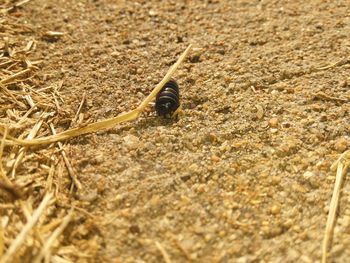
244 175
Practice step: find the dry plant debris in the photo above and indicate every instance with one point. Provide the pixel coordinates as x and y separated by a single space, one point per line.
24 105
21 238
32 223
341 166
243 176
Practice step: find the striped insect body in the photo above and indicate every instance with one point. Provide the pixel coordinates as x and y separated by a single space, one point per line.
168 99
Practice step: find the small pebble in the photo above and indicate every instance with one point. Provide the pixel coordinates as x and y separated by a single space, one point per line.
275 180
207 237
274 92
260 112
293 254
275 209
341 145
338 250
304 235
152 13
308 174
215 158
288 223
135 229
115 54
131 142
211 137
298 188
232 86
193 168
273 123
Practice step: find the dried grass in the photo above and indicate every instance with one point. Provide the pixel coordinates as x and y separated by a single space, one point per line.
341 165
162 250
33 211
45 250
35 201
20 239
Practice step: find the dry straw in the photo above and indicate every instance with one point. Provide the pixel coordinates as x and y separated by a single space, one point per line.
162 250
341 165
10 253
25 111
45 250
28 111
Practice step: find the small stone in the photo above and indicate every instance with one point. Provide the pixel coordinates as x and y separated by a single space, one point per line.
298 188
271 231
185 178
326 209
330 178
207 237
115 54
211 137
149 146
225 147
131 142
260 112
97 159
193 168
273 123
304 235
135 229
185 200
345 221
296 228
288 147
338 250
231 86
200 188
288 223
102 70
244 259
308 175
215 177
286 124
155 201
274 92
293 254
215 158
305 259
275 180
222 233
152 13
275 209
341 145
196 58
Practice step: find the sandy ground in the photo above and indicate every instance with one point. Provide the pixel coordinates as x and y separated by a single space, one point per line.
244 175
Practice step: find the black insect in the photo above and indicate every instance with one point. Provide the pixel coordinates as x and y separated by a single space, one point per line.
168 99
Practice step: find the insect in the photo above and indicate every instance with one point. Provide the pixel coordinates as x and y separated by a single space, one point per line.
168 99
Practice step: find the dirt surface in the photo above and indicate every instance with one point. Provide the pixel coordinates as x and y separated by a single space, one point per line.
243 176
